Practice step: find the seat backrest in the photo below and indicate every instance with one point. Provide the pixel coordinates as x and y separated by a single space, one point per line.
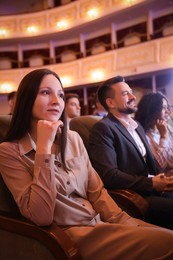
4 124
7 202
83 125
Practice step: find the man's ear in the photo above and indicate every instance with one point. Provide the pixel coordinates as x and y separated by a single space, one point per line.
110 103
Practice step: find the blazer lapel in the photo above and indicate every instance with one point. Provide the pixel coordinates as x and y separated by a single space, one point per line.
144 140
126 133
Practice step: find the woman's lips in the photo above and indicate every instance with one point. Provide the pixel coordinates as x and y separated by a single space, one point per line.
53 111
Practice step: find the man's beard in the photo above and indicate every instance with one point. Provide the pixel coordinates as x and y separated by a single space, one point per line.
128 110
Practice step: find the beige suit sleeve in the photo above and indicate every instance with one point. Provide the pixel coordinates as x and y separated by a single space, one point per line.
31 184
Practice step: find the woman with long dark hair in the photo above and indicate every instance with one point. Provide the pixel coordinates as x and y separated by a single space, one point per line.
47 169
154 114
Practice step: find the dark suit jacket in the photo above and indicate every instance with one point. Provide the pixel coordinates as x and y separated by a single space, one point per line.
116 157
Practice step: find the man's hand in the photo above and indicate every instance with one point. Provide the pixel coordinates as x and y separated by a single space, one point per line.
161 183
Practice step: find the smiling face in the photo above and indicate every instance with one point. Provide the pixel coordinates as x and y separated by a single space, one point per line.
49 102
123 101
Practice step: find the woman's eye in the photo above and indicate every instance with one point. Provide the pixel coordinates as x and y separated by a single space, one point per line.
45 92
61 95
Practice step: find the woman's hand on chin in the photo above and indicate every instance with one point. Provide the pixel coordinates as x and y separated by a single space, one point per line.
46 133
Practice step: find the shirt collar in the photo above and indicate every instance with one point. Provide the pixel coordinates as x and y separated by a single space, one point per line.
26 144
130 124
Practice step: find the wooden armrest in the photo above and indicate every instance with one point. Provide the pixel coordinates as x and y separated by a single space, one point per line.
53 237
131 202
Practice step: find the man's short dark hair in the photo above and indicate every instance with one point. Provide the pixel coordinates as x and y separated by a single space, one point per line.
105 90
71 95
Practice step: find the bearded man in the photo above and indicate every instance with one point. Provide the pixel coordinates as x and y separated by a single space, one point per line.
120 152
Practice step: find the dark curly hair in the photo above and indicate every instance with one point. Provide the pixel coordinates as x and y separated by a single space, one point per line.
149 109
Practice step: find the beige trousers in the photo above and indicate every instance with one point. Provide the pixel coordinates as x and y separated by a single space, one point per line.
121 242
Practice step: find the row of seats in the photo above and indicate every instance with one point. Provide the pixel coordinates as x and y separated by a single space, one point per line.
28 241
21 239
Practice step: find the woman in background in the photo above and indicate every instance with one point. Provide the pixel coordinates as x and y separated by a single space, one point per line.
154 114
47 169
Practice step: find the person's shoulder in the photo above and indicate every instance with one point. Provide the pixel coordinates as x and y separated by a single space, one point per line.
8 144
74 140
104 122
102 127
140 127
8 148
72 135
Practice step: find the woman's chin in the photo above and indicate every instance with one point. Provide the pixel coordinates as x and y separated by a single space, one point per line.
52 118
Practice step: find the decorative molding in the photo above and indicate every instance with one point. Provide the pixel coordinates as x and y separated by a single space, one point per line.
75 12
103 62
71 69
37 21
166 50
9 25
141 58
86 5
140 54
69 14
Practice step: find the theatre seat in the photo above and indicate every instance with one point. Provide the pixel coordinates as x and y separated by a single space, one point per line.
4 124
131 202
21 239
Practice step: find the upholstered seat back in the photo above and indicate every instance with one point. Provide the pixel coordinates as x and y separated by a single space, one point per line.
7 203
83 125
4 124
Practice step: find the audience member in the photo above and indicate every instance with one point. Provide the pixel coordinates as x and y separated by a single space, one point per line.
11 101
48 172
154 115
120 152
98 108
72 106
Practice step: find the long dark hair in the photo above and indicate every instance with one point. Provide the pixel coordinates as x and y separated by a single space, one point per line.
149 110
26 95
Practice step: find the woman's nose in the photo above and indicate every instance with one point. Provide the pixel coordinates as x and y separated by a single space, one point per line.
55 99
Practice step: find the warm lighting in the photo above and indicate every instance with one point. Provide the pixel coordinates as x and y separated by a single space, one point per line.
97 75
93 13
32 29
129 2
66 81
171 58
3 32
63 24
6 87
